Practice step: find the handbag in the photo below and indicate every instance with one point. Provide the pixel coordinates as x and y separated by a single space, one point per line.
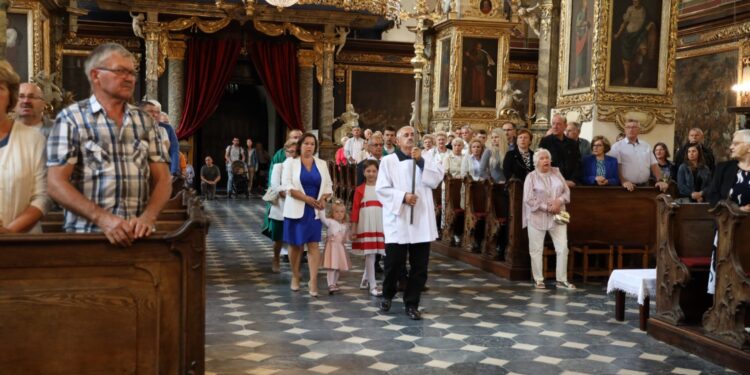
562 218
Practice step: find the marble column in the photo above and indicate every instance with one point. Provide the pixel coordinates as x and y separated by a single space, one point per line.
176 80
546 84
4 5
326 92
306 61
152 31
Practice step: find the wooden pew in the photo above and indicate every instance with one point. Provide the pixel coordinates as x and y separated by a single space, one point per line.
684 238
74 304
477 206
497 217
453 207
437 199
725 320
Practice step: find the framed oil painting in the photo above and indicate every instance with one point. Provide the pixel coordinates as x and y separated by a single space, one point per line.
525 105
479 72
19 48
637 53
444 46
579 34
390 105
701 96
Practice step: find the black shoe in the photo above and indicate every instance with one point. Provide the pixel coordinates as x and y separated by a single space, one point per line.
385 305
285 258
413 313
378 269
304 258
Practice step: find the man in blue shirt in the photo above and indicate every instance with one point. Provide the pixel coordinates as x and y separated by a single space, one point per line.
153 108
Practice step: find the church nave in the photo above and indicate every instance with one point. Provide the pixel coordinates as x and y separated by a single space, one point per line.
474 322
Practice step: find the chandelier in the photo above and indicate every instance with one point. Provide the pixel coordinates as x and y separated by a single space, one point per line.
281 4
385 8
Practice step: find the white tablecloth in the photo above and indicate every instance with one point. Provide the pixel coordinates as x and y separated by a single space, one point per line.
635 283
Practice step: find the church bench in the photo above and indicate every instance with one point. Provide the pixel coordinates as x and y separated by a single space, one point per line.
725 320
497 218
74 304
477 207
453 209
684 240
437 199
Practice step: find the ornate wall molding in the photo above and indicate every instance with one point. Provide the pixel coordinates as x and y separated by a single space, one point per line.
585 112
523 67
732 32
306 58
649 116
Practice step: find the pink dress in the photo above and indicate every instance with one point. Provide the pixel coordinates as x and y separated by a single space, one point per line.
367 213
335 256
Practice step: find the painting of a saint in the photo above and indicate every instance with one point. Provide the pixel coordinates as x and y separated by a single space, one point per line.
479 72
445 62
636 26
378 111
17 47
485 6
582 22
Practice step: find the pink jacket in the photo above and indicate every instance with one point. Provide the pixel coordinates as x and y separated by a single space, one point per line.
538 192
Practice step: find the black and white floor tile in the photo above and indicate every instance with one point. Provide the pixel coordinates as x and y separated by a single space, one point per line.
474 322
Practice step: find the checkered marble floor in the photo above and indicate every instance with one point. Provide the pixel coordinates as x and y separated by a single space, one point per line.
474 322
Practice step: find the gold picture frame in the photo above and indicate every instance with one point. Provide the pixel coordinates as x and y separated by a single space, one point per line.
34 33
500 67
566 45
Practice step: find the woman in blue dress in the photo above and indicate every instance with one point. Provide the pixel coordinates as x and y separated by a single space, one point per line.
731 181
308 186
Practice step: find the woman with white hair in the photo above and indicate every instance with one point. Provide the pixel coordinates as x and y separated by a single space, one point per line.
452 161
731 181
545 194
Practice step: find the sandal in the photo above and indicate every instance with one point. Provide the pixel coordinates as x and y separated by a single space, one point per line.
565 285
333 289
375 292
364 285
540 285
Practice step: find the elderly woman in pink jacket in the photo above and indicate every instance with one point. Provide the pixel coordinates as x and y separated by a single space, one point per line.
545 194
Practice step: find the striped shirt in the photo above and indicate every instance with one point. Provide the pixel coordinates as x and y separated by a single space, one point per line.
111 164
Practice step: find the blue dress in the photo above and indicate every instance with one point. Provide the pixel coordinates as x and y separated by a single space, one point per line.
306 229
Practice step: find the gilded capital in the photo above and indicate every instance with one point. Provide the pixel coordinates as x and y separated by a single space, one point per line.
306 58
176 50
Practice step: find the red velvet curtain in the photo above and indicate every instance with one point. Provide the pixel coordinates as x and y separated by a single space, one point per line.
276 63
210 64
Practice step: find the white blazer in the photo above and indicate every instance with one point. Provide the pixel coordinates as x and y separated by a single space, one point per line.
295 208
277 207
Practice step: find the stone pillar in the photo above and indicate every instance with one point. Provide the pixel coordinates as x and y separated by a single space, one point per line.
306 60
325 132
546 83
600 88
152 31
176 78
4 5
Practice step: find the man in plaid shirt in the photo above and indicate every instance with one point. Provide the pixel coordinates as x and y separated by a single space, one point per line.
107 164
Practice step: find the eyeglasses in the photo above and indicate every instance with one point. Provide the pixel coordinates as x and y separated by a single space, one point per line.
29 97
120 72
598 145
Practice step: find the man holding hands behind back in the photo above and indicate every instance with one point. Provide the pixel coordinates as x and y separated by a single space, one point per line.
408 218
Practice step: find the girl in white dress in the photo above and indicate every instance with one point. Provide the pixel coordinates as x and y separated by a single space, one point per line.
367 219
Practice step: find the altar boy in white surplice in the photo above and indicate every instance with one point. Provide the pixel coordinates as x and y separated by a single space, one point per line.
402 238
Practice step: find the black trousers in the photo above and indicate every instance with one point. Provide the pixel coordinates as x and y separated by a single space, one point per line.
395 264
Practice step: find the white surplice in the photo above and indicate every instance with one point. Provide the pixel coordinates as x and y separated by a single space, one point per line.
394 181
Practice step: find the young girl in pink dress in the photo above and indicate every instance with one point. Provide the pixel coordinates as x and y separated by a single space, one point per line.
335 257
367 219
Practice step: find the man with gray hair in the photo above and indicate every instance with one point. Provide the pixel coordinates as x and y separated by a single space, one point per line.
30 108
169 137
573 131
695 137
107 164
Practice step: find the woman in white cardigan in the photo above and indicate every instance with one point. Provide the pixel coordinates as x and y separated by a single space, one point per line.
276 196
23 174
308 186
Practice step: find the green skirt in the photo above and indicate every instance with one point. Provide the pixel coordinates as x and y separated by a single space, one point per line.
275 230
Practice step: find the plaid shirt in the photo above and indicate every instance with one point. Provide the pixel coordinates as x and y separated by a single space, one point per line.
111 164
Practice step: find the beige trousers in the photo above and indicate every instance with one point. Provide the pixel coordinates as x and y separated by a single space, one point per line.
559 234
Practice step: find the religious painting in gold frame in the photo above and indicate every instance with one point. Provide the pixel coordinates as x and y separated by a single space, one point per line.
479 72
390 105
526 83
443 73
702 97
577 46
19 50
638 36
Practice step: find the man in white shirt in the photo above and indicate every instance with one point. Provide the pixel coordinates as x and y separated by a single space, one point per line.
636 160
354 146
408 218
30 108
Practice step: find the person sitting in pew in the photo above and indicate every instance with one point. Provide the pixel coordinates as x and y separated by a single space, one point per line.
453 161
519 161
636 161
693 177
731 181
598 168
545 194
23 176
472 164
108 166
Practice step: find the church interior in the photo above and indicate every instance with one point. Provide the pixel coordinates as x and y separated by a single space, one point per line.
207 291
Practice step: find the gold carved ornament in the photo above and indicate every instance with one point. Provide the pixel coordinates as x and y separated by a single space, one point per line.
653 116
585 112
192 23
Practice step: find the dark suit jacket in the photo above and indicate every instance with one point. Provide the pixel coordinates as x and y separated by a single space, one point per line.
513 165
723 181
610 173
565 155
